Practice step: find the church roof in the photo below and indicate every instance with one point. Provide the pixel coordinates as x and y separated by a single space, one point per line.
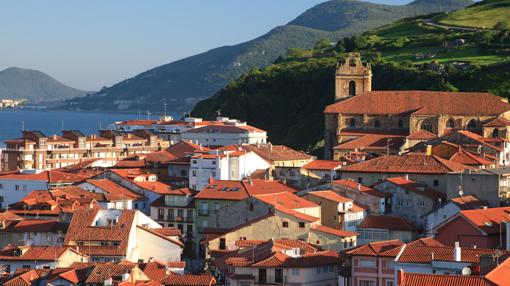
421 103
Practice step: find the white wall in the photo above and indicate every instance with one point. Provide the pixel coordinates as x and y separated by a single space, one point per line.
11 195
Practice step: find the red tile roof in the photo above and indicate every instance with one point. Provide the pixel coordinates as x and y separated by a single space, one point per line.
333 231
273 153
323 165
467 158
379 248
35 225
422 135
240 190
41 253
500 274
426 254
189 280
421 102
308 260
108 270
151 186
427 241
47 176
468 202
154 270
420 279
498 122
331 196
371 141
487 220
361 188
81 229
296 214
387 222
114 188
9 216
416 188
287 200
414 163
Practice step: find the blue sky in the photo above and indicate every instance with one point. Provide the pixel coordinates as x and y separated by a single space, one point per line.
93 43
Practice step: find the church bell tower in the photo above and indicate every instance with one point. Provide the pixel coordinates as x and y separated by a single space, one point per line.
352 77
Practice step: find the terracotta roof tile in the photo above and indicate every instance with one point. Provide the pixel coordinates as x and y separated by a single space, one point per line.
114 188
370 141
426 254
500 274
308 260
189 280
105 271
421 102
333 231
240 190
420 279
361 188
386 222
487 220
331 196
273 153
427 241
416 188
422 135
498 122
415 163
296 214
375 248
468 202
287 200
323 165
42 253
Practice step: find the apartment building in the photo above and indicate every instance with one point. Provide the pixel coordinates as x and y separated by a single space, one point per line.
35 150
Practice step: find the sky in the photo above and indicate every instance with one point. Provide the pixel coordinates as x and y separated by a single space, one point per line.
89 44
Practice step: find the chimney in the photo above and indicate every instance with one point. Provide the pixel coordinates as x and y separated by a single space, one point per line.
406 176
359 187
429 150
457 252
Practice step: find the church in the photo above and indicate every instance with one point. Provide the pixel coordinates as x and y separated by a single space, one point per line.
388 122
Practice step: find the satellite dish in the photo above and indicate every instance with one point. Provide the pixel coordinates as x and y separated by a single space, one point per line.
466 271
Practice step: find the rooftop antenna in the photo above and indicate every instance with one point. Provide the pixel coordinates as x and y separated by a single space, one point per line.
62 125
164 106
148 115
22 125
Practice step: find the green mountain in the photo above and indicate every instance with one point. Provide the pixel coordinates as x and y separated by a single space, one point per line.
183 83
288 97
34 86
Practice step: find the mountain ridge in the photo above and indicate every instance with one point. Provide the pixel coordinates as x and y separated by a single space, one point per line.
184 82
34 86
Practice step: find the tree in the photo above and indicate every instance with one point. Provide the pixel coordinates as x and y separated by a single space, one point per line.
501 26
294 53
322 44
360 43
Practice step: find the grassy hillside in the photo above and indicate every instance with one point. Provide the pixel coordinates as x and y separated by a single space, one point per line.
287 98
481 15
187 81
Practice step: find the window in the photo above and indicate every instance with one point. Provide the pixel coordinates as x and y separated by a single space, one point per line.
352 88
352 122
318 269
301 224
194 173
389 283
325 268
450 123
278 275
222 243
495 134
435 183
194 161
400 203
214 162
295 271
421 204
425 125
183 173
400 124
16 187
366 283
285 224
345 244
26 266
360 180
262 275
216 206
472 124
377 123
1 186
332 268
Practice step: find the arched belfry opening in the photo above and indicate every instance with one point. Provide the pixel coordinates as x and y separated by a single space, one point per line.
352 77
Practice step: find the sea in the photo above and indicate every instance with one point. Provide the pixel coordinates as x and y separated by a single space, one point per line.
50 122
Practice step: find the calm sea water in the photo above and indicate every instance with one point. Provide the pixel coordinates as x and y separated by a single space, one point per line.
51 122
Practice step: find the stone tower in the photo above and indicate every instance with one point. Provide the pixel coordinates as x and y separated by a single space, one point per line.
352 77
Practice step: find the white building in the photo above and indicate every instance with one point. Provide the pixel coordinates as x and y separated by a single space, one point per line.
226 132
15 186
229 163
447 210
115 235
